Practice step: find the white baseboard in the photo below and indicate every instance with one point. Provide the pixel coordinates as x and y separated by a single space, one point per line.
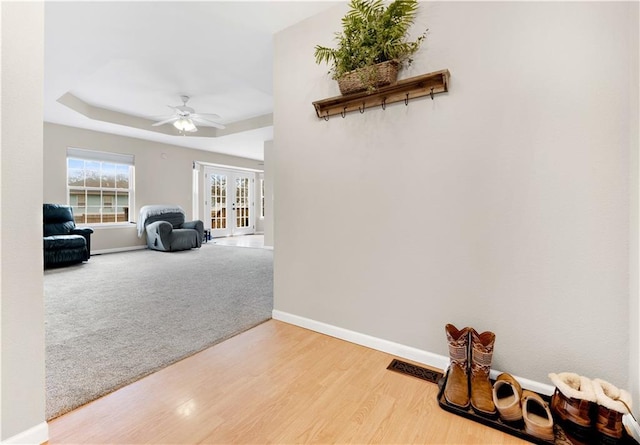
403 351
118 249
397 349
33 436
541 388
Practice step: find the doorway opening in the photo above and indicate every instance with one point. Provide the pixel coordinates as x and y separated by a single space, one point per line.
229 202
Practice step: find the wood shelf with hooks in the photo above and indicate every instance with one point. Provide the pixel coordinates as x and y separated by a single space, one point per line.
404 90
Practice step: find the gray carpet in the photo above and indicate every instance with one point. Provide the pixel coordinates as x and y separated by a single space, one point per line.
122 316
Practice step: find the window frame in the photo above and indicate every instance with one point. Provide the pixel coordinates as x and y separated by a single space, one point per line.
117 163
261 195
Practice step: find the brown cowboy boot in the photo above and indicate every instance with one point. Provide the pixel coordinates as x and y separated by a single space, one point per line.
481 389
456 390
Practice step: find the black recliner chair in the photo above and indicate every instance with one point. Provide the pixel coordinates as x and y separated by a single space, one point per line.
64 243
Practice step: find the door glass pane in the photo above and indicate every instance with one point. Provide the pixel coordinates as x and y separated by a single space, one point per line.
242 202
218 201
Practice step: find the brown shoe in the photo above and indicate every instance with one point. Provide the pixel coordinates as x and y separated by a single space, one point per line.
537 417
456 390
613 403
481 356
507 394
573 405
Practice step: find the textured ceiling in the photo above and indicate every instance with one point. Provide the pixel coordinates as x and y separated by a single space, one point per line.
121 63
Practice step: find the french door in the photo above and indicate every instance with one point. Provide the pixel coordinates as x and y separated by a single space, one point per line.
229 202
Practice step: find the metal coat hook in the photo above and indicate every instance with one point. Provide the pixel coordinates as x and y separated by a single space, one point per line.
384 103
343 113
406 100
326 116
431 93
363 107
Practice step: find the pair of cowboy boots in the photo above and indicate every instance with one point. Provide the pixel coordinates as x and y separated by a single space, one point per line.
468 382
589 409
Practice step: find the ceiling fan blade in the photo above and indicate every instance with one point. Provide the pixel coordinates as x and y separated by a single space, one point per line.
199 118
183 109
166 121
207 115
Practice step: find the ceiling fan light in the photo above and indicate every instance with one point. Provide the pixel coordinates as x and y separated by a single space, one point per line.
184 124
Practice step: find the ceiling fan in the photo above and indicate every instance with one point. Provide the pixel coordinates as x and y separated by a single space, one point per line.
185 117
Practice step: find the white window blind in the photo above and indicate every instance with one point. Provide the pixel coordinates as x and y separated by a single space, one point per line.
104 156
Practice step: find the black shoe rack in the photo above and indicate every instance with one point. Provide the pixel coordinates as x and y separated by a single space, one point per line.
515 428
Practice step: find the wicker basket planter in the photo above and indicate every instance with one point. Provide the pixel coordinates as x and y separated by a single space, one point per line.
369 78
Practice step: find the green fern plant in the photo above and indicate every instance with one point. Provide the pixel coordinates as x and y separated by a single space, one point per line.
372 33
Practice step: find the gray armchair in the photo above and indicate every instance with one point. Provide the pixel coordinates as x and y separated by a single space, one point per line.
167 230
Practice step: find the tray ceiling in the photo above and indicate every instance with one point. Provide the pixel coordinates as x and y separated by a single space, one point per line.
116 66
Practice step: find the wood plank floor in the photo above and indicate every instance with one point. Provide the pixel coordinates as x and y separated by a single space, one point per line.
279 384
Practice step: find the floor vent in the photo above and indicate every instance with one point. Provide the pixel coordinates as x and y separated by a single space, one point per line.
415 371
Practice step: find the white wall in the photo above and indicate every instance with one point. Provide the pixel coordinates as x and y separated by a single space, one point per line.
502 205
163 174
22 399
634 165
